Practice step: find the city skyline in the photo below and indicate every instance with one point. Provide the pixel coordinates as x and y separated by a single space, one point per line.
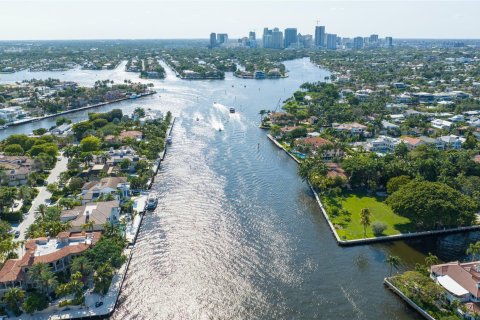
54 20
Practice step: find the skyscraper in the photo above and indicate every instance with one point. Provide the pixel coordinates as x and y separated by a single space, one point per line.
272 38
320 36
357 43
277 39
267 38
290 37
373 39
213 40
389 41
251 35
222 38
331 41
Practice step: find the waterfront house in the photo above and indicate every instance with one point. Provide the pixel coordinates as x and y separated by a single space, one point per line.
98 212
57 252
461 282
318 144
132 134
353 128
60 130
117 186
281 118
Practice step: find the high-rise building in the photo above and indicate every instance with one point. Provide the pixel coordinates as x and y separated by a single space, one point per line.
357 43
267 38
213 40
305 40
290 37
320 36
389 41
222 38
251 35
331 41
277 39
373 40
272 38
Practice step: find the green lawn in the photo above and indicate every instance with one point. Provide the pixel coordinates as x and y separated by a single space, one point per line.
348 225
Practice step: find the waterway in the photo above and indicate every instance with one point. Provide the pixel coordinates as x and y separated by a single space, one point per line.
237 234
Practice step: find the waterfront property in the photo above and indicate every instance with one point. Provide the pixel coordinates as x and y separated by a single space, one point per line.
461 282
344 212
99 213
56 252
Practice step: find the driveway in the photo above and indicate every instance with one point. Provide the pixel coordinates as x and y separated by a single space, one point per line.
43 194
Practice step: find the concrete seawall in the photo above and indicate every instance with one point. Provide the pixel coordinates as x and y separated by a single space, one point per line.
396 237
407 300
78 109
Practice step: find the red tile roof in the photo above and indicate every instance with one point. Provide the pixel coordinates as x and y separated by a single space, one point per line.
313 141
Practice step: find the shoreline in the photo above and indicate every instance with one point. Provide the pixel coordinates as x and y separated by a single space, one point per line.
20 122
118 280
395 237
409 301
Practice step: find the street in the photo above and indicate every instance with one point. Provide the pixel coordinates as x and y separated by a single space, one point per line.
43 194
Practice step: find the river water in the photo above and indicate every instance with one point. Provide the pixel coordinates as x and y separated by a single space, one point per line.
237 234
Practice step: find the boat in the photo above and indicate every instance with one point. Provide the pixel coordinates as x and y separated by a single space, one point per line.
169 139
133 96
152 203
198 119
232 110
219 129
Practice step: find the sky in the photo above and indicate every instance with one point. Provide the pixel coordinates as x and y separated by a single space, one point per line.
183 19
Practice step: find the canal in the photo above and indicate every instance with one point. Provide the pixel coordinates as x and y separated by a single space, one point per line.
237 234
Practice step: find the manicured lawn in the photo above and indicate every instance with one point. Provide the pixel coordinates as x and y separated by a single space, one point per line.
348 225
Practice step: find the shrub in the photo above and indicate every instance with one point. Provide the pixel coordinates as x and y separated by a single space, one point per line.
378 228
35 302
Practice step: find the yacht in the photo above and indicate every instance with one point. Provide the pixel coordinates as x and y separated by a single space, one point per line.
151 203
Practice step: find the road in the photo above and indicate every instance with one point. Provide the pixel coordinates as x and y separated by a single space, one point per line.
43 194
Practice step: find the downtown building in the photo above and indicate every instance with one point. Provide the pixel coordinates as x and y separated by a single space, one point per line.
291 38
331 41
272 39
320 39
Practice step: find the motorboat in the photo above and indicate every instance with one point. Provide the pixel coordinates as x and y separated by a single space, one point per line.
198 119
232 110
152 203
169 139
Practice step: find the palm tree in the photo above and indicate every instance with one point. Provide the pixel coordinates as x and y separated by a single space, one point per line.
430 260
103 278
393 261
88 226
43 275
474 250
365 220
109 229
82 264
42 209
14 298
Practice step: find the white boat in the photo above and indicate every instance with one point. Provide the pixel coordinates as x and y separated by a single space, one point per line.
152 203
